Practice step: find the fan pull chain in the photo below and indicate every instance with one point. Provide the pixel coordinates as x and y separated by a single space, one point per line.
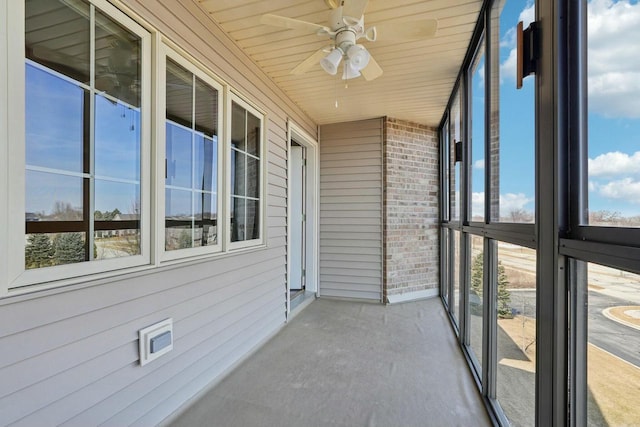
346 74
335 87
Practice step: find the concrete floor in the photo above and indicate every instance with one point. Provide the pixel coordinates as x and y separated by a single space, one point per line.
342 363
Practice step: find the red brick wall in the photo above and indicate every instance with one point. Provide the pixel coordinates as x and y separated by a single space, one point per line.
410 207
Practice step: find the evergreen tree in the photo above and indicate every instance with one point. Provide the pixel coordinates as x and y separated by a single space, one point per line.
504 296
68 248
109 216
185 240
476 274
38 252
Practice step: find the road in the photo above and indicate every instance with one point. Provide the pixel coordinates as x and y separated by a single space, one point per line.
620 340
607 288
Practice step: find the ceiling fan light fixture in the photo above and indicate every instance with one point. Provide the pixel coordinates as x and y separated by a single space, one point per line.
330 62
350 71
358 57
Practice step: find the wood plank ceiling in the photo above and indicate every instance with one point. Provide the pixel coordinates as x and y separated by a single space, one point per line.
418 75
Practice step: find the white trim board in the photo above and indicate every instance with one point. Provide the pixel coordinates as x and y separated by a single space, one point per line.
312 209
412 296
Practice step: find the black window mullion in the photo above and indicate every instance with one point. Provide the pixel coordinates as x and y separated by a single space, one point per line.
193 156
490 325
86 168
578 342
246 170
44 227
551 184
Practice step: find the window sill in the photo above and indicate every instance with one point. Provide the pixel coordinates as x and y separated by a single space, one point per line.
40 290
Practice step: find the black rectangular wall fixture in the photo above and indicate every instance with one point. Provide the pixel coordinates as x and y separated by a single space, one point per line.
458 148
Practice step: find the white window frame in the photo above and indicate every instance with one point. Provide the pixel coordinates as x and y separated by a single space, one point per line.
17 276
312 230
198 70
6 30
260 241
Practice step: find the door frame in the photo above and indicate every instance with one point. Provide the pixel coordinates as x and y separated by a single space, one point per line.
312 208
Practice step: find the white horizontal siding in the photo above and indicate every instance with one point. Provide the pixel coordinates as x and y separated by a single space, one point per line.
69 366
70 356
351 210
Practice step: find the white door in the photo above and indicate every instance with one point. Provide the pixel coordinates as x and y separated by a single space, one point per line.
297 219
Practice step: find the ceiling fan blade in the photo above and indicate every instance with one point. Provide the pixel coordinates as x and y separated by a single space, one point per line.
372 71
57 57
294 24
308 63
354 8
333 4
407 30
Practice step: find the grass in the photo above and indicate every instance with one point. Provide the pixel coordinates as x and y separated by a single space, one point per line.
615 387
614 384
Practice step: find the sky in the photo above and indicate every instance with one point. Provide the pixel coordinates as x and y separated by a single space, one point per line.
614 112
614 106
54 142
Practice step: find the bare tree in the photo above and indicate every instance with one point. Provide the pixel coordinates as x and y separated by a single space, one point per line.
604 217
520 215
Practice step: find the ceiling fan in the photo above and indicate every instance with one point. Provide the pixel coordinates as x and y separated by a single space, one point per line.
345 28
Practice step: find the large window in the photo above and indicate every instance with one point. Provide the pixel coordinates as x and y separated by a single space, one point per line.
86 120
604 244
491 254
455 138
476 294
80 172
455 273
614 115
245 174
557 332
477 101
515 301
451 145
445 156
512 119
445 266
193 109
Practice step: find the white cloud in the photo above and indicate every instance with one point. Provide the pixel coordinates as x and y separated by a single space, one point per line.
478 164
528 15
615 163
508 67
509 202
481 75
614 66
477 202
513 201
626 189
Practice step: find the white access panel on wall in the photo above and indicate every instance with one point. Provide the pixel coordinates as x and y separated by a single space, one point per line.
155 340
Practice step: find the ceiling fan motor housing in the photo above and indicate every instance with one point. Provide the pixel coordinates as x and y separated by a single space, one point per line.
345 39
